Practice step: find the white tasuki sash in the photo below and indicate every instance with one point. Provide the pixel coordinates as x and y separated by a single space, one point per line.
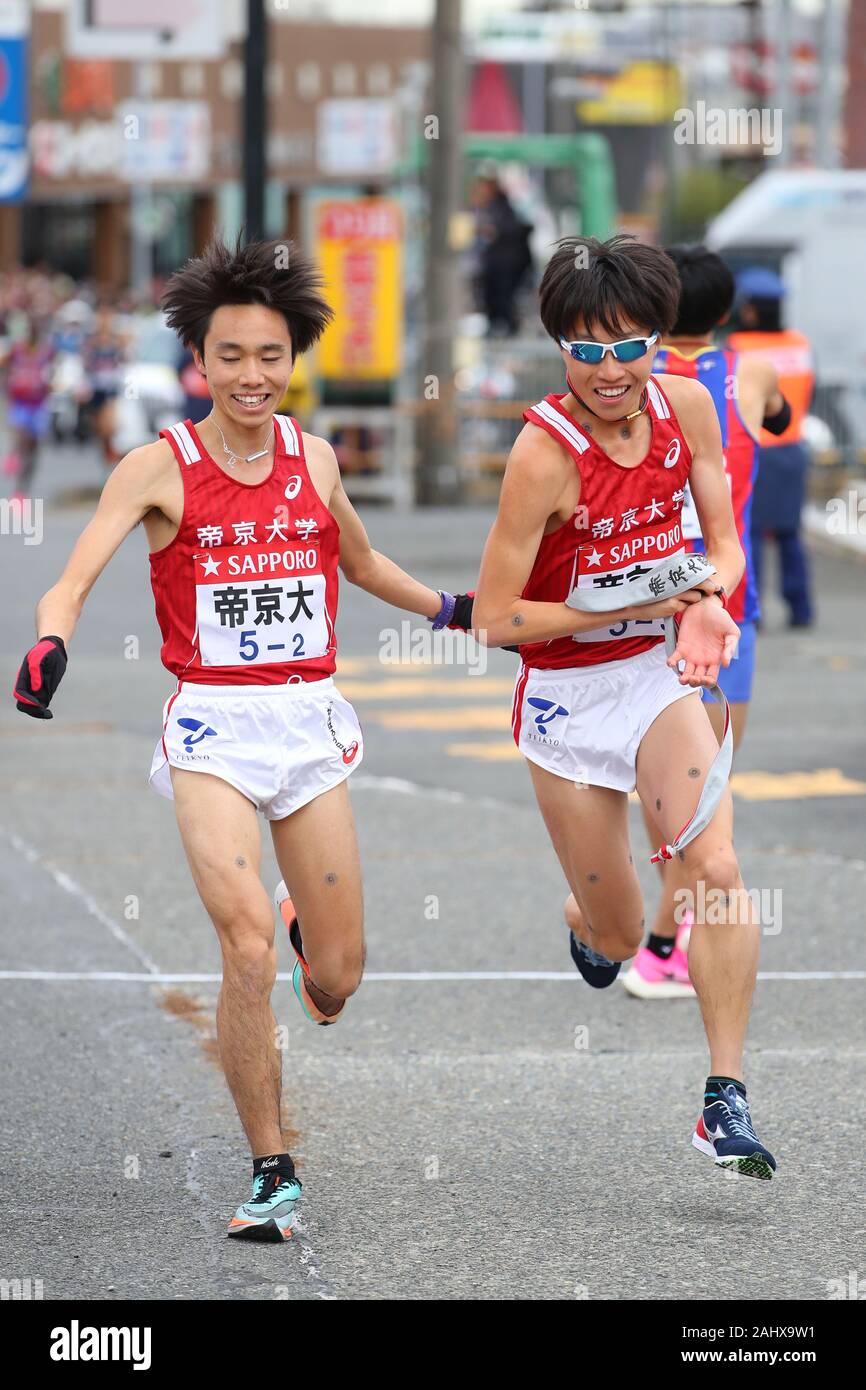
659 580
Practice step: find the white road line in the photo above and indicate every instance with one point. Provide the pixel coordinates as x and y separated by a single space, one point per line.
383 976
364 782
69 885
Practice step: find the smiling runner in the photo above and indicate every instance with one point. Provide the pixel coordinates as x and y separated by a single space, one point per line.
247 523
590 513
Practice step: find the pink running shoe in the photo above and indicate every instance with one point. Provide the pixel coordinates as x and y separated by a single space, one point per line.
650 977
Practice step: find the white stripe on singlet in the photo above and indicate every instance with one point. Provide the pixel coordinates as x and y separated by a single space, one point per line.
563 426
657 400
185 442
290 435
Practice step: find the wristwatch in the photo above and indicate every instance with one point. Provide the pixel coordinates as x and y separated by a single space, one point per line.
719 594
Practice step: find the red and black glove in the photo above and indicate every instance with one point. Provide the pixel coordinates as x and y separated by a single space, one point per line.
462 616
462 619
41 672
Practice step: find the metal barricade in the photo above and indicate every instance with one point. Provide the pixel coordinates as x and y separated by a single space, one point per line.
498 379
374 448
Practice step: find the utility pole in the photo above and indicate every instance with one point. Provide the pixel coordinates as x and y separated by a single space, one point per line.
784 90
755 93
827 153
255 124
438 474
140 209
855 100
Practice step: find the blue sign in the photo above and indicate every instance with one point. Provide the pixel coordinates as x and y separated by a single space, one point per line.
13 118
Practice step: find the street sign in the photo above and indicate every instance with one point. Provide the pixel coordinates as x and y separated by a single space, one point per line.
164 140
537 37
13 101
145 29
359 249
356 136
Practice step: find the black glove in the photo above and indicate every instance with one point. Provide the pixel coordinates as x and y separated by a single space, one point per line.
463 604
41 673
462 616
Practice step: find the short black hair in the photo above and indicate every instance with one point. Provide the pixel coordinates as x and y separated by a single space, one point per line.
708 290
273 273
609 283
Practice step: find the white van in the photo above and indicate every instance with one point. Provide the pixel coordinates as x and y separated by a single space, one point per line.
810 226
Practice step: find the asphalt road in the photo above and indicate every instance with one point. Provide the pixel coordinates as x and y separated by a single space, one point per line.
490 1138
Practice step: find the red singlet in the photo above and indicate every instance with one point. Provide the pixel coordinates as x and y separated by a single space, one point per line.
246 593
625 518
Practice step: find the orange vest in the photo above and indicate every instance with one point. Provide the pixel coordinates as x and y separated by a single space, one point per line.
791 355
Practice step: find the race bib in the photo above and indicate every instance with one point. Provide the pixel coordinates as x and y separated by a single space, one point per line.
611 563
260 607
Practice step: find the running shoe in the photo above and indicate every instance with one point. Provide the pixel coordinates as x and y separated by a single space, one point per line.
267 1215
651 977
724 1132
301 972
595 968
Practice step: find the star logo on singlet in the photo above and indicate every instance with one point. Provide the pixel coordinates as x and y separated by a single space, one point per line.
594 557
210 565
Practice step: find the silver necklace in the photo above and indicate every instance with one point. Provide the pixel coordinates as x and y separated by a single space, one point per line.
232 458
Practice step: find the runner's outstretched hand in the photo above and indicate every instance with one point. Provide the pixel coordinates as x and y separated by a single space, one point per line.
706 639
40 674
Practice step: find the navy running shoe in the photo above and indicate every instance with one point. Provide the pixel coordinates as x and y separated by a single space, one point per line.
595 968
725 1133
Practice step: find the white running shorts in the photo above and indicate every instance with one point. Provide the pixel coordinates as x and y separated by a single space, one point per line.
586 723
281 745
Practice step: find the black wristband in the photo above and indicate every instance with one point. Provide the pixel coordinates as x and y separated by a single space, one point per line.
778 423
462 616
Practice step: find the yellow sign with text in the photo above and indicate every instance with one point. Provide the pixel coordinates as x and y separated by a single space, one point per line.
644 93
359 247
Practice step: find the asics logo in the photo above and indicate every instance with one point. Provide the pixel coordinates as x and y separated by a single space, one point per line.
348 752
197 731
673 453
293 486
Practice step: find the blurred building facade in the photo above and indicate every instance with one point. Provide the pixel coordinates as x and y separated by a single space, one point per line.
332 118
345 102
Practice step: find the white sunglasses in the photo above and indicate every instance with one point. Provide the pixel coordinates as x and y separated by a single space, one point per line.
626 350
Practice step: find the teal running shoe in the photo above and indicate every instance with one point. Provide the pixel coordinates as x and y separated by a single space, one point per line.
267 1215
301 972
